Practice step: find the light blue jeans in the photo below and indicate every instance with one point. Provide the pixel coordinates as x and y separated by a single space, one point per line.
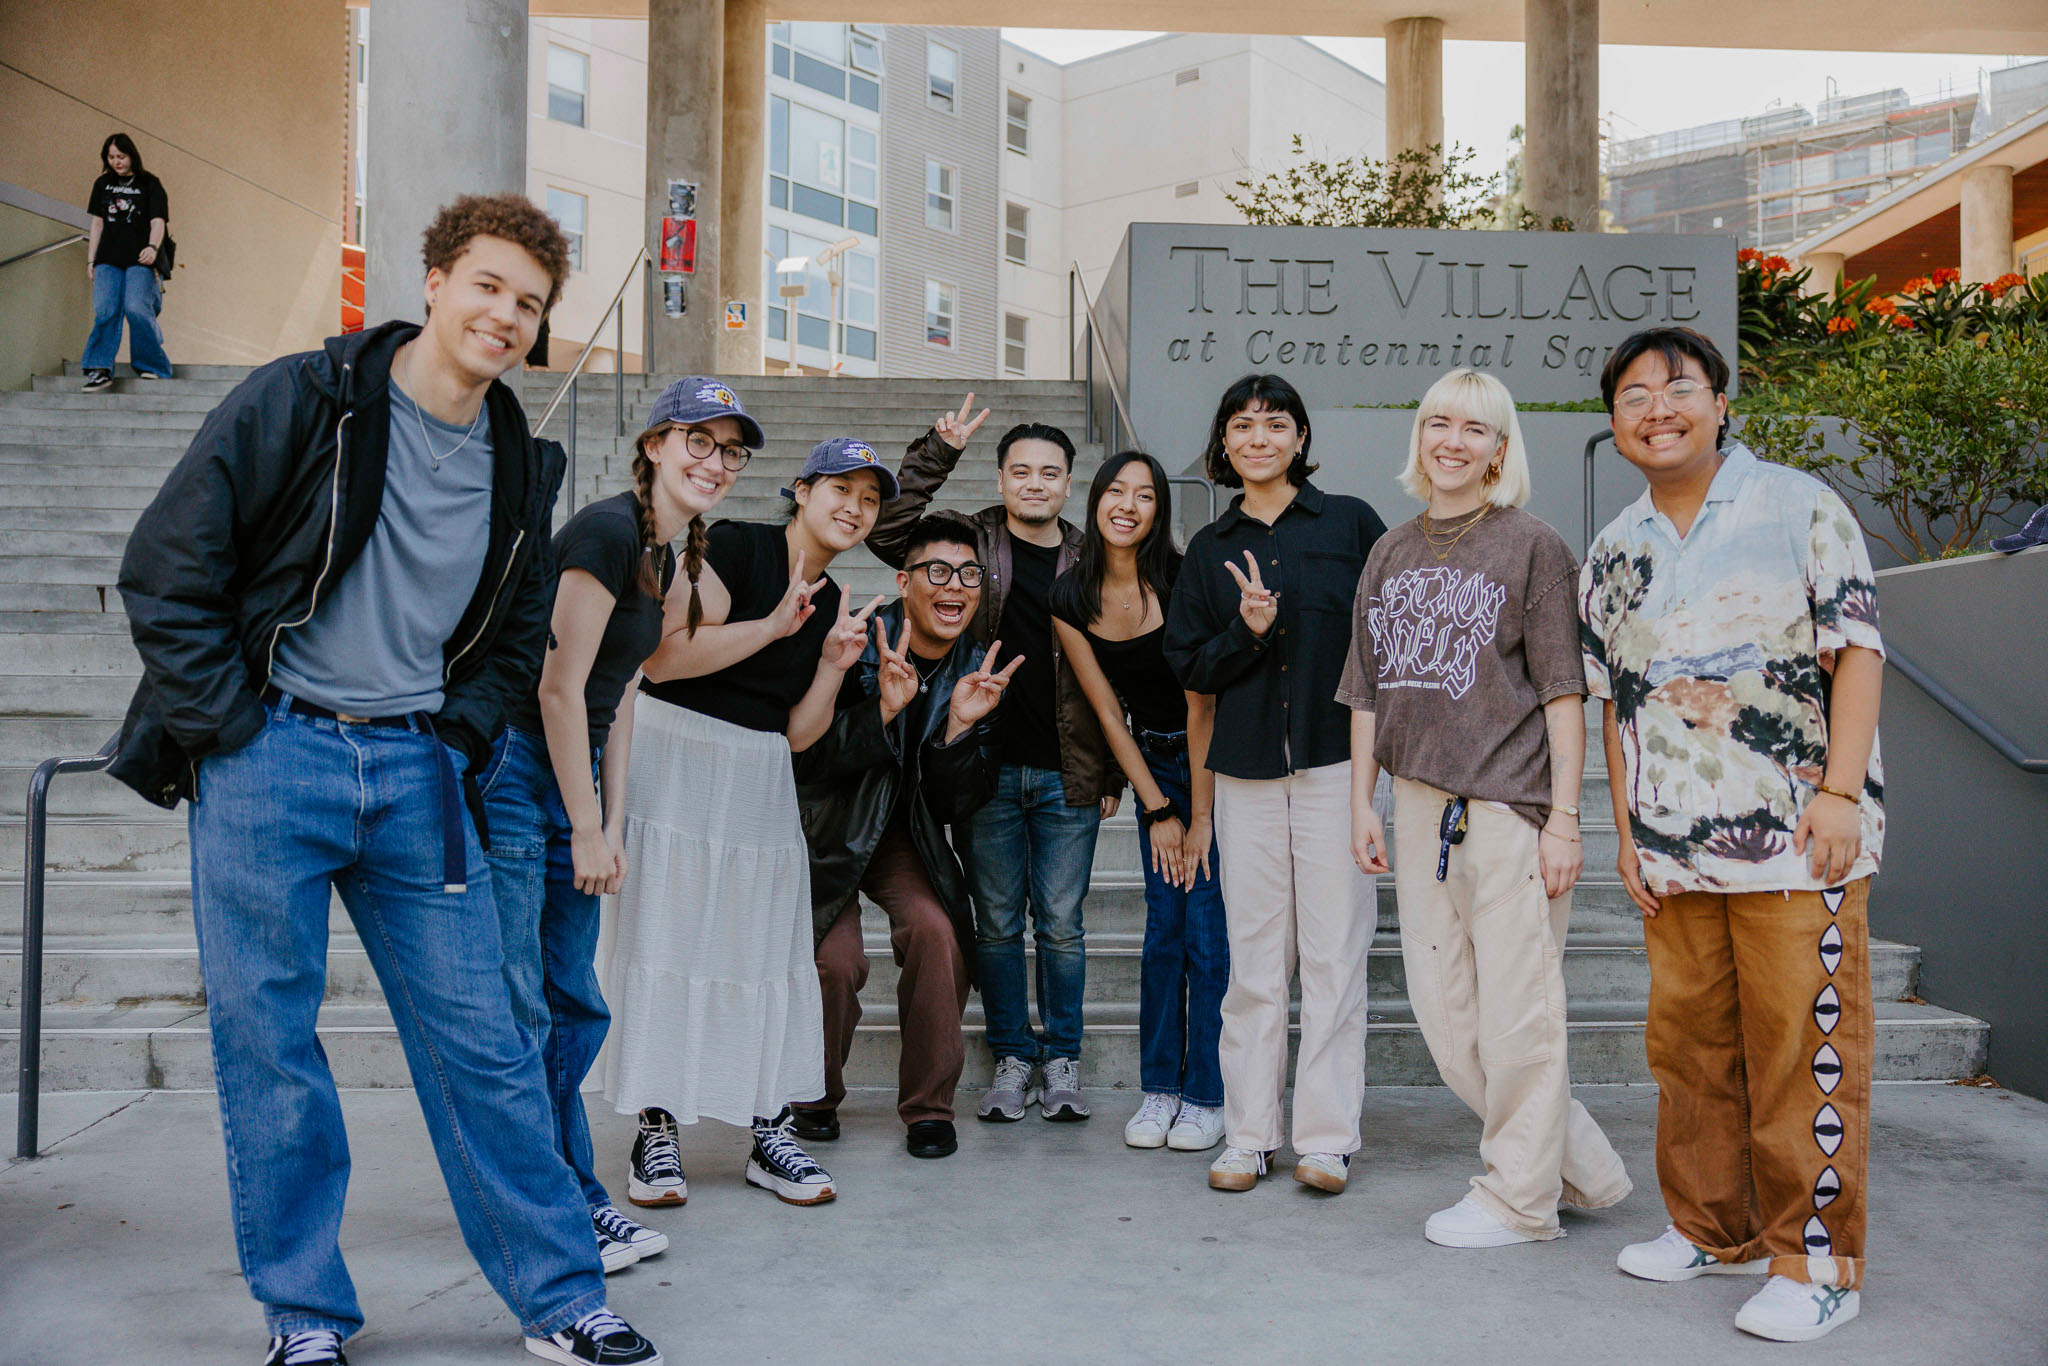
136 295
312 805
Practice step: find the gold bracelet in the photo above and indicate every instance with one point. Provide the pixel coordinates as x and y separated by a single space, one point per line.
1848 797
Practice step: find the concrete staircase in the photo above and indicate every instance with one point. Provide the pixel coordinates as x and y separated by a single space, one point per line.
124 1006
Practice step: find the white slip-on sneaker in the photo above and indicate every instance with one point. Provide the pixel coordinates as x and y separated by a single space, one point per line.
1323 1171
1471 1224
1674 1257
1238 1169
1199 1128
1786 1310
1147 1128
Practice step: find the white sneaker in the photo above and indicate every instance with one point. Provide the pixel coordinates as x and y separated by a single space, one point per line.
1786 1310
1673 1257
1239 1169
1147 1128
1471 1224
1324 1171
1199 1128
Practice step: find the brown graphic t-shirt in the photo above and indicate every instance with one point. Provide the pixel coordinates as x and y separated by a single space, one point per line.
1455 658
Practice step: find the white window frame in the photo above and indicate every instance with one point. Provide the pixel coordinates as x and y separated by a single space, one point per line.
1016 233
1017 123
948 190
1021 325
582 96
941 291
947 102
575 235
856 36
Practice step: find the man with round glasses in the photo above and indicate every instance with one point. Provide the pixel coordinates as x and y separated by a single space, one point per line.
907 754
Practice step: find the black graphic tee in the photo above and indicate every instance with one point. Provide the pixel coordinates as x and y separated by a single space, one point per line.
126 203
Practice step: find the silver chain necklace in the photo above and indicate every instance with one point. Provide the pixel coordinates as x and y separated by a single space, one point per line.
420 422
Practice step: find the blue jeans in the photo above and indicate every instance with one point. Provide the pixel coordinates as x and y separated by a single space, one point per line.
1185 964
310 805
549 931
1029 842
133 294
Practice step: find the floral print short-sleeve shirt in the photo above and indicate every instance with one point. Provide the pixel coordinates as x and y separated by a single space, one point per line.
1717 649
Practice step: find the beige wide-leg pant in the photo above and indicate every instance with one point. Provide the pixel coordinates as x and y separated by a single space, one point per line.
1483 952
1290 890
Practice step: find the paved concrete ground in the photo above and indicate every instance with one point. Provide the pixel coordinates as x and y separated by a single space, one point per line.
1038 1243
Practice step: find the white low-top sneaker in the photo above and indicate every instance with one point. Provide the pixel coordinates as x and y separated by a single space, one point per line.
1471 1224
1673 1257
1238 1169
1199 1128
1147 1128
1324 1171
1786 1310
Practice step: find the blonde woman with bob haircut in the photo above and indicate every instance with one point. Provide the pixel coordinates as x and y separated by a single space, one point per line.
1466 685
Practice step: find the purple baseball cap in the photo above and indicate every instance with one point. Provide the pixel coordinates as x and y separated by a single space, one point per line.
843 455
701 398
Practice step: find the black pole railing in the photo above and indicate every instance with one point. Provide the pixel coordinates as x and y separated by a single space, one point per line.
1592 443
1963 712
27 1113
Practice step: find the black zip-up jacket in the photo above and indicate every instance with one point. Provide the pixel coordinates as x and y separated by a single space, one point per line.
267 509
848 781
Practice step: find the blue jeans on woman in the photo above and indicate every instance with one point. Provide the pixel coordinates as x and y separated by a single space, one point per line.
308 808
549 931
136 295
1185 964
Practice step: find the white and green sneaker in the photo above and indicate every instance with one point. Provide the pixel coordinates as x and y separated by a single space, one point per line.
1674 1257
1786 1310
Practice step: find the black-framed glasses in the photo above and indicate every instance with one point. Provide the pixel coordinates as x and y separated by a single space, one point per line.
1637 398
939 573
701 443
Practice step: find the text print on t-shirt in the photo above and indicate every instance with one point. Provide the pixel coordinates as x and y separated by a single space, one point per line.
1429 625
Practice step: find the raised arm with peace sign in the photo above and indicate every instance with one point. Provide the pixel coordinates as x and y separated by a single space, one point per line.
955 429
848 636
977 694
895 675
1258 605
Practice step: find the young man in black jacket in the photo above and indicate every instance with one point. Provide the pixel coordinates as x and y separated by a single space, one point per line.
336 594
906 755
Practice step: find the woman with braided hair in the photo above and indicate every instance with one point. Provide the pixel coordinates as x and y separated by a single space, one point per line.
556 785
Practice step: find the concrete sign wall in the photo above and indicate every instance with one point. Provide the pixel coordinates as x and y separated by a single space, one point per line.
1372 315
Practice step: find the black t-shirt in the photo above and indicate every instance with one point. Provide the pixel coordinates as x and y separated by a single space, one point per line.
1137 669
603 540
1027 721
127 203
752 560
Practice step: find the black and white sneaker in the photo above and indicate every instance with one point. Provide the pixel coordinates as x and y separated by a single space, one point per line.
777 1164
312 1347
655 1176
96 380
599 1338
621 1242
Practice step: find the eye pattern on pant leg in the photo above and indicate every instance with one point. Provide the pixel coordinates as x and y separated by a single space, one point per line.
1827 1069
1827 1129
1818 1243
1832 898
1827 1009
1826 1187
1831 949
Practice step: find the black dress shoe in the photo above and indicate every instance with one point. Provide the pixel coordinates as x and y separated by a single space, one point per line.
932 1138
814 1126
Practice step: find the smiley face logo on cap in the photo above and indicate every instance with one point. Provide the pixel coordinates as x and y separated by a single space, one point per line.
719 394
862 452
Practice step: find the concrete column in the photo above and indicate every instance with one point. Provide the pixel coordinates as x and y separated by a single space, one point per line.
685 80
1827 270
1561 62
744 169
1415 85
447 116
1987 223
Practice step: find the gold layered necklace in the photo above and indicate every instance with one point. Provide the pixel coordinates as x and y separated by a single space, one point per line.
1442 540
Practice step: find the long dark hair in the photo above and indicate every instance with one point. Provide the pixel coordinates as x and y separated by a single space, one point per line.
126 144
650 539
1079 591
1274 394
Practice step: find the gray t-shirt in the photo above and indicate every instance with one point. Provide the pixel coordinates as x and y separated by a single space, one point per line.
1455 657
374 644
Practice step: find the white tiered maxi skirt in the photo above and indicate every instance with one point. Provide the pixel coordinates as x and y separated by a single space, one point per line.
707 962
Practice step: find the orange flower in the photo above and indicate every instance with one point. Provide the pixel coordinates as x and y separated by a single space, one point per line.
1919 284
1775 263
1766 279
1746 255
1840 324
1947 275
1901 320
2011 280
1881 305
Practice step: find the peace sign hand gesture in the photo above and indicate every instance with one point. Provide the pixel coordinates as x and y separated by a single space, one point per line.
1259 605
848 636
895 675
955 429
976 695
794 609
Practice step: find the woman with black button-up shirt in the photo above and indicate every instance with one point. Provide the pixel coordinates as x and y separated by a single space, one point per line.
1261 619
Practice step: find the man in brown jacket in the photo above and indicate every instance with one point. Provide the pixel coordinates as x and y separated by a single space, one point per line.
1035 841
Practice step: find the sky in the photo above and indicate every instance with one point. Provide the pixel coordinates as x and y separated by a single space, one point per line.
1642 89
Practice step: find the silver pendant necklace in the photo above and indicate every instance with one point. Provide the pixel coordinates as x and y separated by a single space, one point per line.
420 422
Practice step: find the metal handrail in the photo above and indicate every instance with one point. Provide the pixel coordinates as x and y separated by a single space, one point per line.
27 1113
1963 712
619 369
1592 442
1116 392
1204 483
57 245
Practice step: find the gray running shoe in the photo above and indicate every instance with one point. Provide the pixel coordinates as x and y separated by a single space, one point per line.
1062 1098
1010 1094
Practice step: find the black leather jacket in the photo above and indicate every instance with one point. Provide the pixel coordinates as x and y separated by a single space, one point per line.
847 785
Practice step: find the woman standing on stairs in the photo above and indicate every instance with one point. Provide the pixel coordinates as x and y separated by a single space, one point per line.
1110 612
130 222
1466 684
556 786
710 969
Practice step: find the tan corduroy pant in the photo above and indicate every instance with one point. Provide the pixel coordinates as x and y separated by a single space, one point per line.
1483 954
1290 890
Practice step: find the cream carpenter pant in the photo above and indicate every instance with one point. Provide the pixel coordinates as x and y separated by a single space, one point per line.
1290 890
1483 954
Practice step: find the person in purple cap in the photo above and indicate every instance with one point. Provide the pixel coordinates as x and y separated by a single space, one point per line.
710 972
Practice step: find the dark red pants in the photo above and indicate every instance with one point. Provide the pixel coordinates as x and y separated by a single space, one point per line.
931 990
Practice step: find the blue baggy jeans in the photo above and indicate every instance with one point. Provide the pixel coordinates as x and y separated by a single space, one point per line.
1184 967
312 805
135 295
